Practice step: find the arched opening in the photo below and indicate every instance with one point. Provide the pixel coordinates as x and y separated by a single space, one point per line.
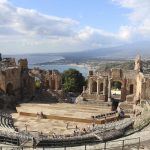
116 89
53 84
94 87
131 88
9 89
101 88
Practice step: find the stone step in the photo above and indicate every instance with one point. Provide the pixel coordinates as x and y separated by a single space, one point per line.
126 106
95 102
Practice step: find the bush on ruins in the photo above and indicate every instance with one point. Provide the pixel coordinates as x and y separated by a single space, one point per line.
73 81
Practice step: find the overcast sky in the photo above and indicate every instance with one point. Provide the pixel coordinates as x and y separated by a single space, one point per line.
36 26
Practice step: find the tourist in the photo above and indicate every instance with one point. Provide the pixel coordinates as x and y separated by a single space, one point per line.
74 133
42 115
67 125
93 124
84 130
76 127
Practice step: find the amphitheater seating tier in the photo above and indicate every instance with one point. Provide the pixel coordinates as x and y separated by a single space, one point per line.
8 134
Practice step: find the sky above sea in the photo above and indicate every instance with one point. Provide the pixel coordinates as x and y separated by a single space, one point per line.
53 26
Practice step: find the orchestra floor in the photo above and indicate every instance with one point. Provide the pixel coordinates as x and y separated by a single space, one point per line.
63 118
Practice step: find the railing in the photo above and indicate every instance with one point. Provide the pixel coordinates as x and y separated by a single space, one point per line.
108 132
115 145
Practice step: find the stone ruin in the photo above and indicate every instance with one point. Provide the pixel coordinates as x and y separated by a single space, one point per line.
135 86
17 81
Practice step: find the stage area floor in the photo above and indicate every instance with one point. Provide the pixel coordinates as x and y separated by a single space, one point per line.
63 117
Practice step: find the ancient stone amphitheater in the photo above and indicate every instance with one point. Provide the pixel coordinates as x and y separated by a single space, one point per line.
104 132
36 113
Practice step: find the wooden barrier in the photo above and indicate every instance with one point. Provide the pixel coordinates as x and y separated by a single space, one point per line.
96 121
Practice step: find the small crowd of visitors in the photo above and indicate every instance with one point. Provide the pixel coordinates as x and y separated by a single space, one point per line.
40 115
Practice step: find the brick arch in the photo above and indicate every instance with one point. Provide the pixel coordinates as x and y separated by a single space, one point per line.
117 94
101 87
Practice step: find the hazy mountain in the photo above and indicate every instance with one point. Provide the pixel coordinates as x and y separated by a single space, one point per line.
124 51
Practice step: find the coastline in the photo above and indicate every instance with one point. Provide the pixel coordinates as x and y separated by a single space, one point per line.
88 67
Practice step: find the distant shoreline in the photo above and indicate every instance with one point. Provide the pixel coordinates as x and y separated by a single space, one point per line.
81 65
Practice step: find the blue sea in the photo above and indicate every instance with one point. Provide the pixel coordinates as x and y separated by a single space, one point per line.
34 59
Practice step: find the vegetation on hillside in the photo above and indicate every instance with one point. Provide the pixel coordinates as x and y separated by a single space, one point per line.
123 65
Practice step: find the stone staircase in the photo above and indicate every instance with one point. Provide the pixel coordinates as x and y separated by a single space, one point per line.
94 102
93 96
126 106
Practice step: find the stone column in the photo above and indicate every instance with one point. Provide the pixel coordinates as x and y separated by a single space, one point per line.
90 86
123 90
56 83
50 83
143 91
98 87
109 90
104 87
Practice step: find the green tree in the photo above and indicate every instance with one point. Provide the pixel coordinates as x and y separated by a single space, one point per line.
116 85
73 81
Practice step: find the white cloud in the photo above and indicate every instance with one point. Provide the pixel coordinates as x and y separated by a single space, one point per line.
27 30
139 26
30 31
30 22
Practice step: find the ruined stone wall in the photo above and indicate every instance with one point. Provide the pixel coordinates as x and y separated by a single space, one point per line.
10 76
116 74
97 87
55 80
23 63
145 89
8 62
27 84
139 84
2 81
131 84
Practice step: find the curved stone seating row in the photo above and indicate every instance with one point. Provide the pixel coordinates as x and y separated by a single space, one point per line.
104 132
66 141
6 122
110 134
118 125
101 116
8 134
15 138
